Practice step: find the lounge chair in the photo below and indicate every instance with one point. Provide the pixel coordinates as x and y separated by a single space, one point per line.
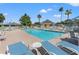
74 41
34 51
19 49
68 50
53 49
69 45
2 37
72 34
42 51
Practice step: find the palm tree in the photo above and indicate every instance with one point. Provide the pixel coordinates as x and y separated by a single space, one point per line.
68 13
39 17
2 17
61 10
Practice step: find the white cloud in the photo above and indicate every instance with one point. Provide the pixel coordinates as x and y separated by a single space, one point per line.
49 9
5 14
43 11
74 4
57 16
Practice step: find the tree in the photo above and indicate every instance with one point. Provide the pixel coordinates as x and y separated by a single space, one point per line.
25 20
76 22
2 18
61 10
39 17
68 22
68 12
36 24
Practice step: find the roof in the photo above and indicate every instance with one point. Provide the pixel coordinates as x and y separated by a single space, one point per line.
76 18
47 21
19 49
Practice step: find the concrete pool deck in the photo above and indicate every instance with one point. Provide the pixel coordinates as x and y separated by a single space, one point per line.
58 39
18 35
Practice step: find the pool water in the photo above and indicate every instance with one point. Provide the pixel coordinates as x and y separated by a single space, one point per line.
43 34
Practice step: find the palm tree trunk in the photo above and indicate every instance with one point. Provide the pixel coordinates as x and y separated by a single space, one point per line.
67 17
61 16
39 22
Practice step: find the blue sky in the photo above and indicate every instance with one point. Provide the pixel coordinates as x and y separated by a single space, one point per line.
13 11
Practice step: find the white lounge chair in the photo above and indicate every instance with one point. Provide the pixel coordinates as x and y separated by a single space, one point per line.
2 37
72 34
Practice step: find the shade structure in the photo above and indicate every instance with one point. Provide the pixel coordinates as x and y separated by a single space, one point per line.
36 45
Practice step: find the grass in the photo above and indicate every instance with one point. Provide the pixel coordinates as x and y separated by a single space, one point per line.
2 27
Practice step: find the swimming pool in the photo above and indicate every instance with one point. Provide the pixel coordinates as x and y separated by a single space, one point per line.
43 34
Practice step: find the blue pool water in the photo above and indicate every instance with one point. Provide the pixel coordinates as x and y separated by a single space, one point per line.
44 35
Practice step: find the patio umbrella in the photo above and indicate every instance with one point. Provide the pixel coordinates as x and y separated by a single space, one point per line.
36 45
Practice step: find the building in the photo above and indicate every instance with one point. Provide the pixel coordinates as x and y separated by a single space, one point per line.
47 23
76 18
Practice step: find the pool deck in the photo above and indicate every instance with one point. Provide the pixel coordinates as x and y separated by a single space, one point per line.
58 39
17 36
